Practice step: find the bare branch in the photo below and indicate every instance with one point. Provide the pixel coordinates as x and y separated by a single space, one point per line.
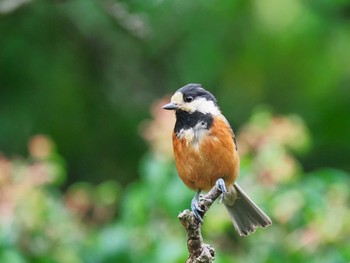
199 251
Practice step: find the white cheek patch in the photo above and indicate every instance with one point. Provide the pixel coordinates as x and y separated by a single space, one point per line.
204 106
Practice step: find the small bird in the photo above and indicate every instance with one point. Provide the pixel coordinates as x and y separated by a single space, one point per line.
205 150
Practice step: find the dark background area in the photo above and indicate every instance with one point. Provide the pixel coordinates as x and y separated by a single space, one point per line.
86 167
85 73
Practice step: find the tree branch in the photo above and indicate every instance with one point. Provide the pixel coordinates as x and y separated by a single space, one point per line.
199 251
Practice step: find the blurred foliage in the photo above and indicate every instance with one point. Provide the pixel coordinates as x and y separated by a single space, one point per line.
35 225
38 223
310 211
84 73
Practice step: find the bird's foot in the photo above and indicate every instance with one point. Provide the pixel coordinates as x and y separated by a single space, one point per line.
196 209
220 183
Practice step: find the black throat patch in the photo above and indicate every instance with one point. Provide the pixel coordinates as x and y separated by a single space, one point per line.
186 120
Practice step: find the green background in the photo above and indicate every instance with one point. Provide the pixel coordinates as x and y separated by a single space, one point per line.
84 74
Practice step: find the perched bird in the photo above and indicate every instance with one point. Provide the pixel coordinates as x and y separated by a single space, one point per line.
205 150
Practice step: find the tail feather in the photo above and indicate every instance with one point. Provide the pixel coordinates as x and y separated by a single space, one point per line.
246 215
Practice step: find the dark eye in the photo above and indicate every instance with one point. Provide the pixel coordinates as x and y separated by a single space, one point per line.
189 99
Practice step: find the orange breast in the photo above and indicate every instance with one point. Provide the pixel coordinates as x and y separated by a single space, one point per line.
214 156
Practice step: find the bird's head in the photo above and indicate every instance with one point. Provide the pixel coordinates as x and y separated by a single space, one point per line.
193 98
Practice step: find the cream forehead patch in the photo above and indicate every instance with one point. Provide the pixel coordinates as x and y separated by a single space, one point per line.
177 98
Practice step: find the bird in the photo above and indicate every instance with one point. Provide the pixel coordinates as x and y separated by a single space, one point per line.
206 154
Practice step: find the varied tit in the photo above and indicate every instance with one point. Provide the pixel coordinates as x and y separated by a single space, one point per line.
205 150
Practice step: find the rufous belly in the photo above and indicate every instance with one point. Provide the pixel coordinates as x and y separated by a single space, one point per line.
201 163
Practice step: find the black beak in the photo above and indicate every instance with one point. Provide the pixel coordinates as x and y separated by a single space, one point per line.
170 106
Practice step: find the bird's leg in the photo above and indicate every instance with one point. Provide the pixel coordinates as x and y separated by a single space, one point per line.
196 209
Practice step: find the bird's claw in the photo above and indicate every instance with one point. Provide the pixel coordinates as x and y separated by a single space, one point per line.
220 183
196 209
